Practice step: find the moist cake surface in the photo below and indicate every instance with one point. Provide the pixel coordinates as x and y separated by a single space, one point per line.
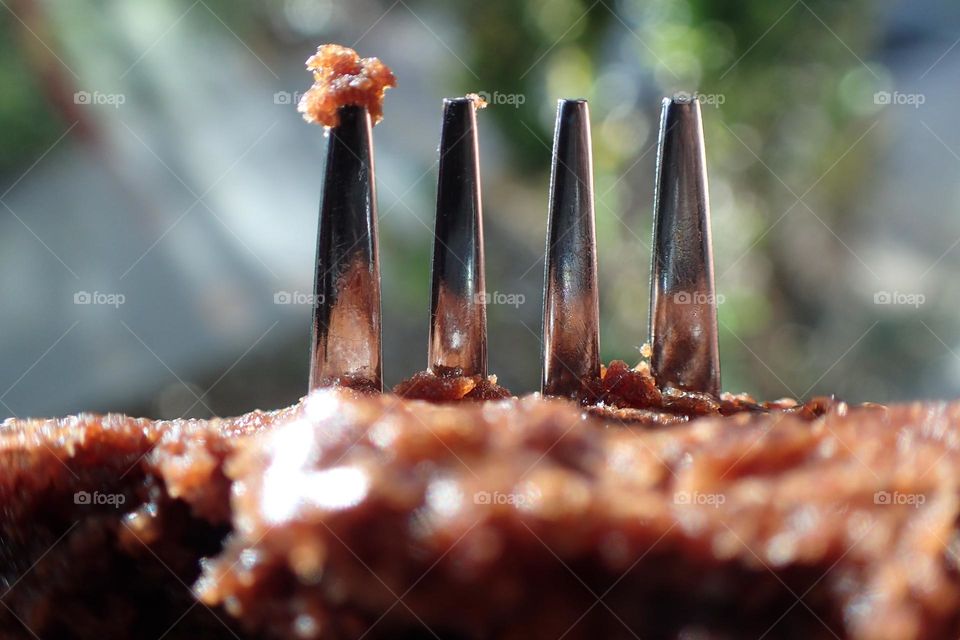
355 514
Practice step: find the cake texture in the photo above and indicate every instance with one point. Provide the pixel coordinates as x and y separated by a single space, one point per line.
341 77
355 514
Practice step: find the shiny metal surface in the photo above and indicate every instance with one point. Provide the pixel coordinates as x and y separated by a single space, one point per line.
458 316
571 315
346 333
683 312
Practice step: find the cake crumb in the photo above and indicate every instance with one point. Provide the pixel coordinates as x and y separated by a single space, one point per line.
479 102
340 78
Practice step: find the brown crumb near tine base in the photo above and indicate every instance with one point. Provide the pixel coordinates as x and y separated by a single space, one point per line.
341 78
359 384
450 387
633 393
621 393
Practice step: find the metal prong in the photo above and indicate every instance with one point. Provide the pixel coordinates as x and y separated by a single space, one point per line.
571 314
346 320
683 310
458 316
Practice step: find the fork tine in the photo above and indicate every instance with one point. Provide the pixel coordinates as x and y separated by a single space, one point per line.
345 340
683 311
458 316
571 315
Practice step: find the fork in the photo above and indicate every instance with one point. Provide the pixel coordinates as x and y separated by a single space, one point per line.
682 327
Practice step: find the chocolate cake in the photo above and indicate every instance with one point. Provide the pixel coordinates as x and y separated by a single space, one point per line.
355 514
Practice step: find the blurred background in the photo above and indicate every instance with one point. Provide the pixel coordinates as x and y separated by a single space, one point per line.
159 192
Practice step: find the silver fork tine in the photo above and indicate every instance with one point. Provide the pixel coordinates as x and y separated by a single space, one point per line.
571 315
458 316
683 311
345 340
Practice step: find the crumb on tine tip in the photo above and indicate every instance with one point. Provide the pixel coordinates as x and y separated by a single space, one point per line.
340 78
478 100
